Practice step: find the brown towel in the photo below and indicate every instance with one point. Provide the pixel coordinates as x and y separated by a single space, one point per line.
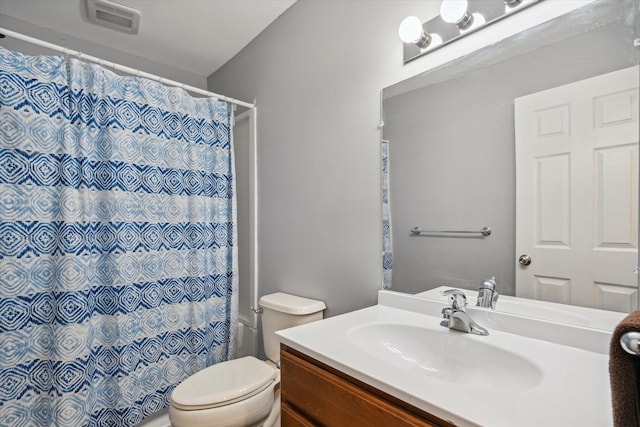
624 374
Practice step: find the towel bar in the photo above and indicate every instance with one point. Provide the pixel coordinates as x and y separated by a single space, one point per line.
630 342
485 231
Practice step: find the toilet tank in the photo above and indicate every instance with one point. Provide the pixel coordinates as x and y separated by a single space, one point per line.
282 311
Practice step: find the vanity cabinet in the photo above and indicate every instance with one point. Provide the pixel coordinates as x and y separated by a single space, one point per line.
314 394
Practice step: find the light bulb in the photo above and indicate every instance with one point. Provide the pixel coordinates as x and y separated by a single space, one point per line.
453 11
410 30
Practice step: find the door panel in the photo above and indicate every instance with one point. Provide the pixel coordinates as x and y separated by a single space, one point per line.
577 192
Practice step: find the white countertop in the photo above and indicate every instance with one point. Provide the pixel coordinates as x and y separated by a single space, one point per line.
573 389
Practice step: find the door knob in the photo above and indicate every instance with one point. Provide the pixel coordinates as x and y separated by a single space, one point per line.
524 259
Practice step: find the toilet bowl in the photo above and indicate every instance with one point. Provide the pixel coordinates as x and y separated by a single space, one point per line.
243 392
236 393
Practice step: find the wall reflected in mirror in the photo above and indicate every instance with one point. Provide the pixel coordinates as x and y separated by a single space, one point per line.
536 137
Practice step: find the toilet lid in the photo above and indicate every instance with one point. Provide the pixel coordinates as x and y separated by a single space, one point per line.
223 383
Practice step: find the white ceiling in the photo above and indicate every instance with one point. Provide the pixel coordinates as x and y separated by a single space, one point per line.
197 36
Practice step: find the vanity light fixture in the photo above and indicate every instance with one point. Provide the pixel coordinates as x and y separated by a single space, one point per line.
478 21
457 18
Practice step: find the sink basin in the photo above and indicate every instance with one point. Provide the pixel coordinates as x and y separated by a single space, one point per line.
446 355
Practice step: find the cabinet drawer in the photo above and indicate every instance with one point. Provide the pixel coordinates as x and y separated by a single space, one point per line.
326 397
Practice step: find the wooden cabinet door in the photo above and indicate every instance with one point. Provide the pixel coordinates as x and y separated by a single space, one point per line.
313 394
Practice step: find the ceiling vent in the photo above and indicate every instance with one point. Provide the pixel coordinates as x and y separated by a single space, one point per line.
113 15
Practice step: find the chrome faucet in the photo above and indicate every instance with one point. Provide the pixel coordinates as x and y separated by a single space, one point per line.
456 316
487 294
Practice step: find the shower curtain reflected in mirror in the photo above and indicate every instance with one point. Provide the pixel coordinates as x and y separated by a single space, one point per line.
387 242
118 262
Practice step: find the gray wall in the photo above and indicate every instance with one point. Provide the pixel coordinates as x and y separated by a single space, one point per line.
317 73
452 150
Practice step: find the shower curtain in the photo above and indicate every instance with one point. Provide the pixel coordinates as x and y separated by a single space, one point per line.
118 264
387 244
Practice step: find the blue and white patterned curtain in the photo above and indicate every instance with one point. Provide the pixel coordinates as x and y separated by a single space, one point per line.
387 244
118 272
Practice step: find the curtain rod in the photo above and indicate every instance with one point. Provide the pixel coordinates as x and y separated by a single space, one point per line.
121 68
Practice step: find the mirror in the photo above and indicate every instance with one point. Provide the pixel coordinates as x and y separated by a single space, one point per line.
455 135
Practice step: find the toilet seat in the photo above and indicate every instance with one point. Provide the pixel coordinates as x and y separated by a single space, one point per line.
223 384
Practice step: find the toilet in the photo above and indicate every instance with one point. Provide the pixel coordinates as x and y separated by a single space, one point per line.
243 392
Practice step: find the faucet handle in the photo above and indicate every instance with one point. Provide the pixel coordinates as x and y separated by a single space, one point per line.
488 284
487 293
457 299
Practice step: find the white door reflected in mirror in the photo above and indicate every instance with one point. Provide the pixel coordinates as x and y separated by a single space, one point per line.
577 192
